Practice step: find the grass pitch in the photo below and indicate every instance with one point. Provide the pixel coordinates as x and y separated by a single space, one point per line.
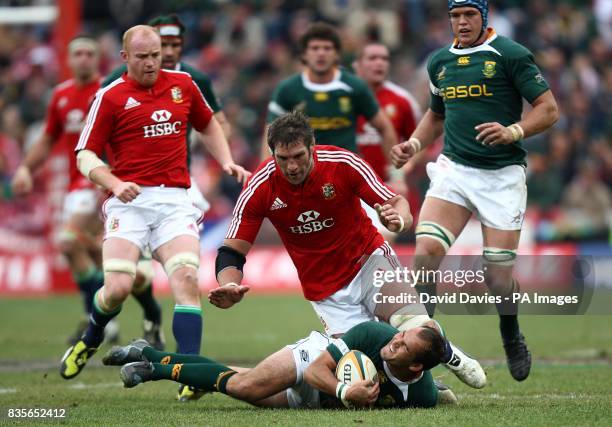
569 383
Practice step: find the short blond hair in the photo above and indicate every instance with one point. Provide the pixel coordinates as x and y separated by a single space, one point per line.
131 32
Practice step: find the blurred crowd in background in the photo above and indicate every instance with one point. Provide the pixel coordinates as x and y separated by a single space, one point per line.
247 47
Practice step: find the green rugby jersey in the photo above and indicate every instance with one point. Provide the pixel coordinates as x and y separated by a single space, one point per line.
201 79
369 338
486 83
332 107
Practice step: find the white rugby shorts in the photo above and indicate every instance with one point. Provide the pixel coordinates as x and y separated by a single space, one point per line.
356 302
305 351
156 216
80 202
497 196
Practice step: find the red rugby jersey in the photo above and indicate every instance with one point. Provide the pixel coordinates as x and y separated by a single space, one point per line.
404 113
65 119
321 222
146 127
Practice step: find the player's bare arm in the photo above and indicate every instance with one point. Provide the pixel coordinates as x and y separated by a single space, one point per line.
320 375
395 214
224 123
428 130
99 173
214 141
22 181
228 267
543 115
383 125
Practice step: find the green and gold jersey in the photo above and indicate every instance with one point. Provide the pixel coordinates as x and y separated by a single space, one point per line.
486 83
201 79
369 338
332 107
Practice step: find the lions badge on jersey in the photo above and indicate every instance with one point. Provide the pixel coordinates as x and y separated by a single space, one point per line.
345 104
328 190
489 69
177 94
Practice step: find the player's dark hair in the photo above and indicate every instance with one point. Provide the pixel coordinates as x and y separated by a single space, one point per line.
433 351
290 128
320 31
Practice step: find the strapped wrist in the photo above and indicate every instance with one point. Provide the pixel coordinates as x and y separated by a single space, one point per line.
517 132
415 143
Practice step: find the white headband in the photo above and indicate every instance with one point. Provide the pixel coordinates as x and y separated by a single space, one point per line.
82 43
169 30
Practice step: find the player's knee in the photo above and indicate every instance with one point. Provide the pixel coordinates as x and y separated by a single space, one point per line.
405 322
432 240
247 387
498 271
182 261
119 277
144 275
69 243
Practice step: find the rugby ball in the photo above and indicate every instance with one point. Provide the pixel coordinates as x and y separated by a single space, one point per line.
356 366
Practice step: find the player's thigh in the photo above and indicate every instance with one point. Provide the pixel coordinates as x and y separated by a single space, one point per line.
126 221
176 219
500 198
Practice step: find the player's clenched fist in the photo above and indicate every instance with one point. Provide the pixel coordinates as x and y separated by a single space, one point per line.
227 295
126 191
401 153
363 393
390 218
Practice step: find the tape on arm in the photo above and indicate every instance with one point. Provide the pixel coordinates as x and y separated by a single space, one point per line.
87 161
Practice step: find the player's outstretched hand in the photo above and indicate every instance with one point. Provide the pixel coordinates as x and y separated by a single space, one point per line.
390 218
227 295
401 153
238 171
126 191
493 134
22 181
363 393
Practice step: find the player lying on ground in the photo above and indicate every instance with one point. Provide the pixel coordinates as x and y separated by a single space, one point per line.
302 375
312 195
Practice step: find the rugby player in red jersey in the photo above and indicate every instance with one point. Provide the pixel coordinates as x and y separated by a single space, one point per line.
65 118
143 117
311 194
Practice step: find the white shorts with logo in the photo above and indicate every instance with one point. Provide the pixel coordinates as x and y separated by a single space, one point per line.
156 216
497 196
355 303
80 202
305 351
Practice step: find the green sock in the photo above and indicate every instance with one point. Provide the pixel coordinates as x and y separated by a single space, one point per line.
204 376
166 358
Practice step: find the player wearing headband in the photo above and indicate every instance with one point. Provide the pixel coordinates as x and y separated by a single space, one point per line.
477 88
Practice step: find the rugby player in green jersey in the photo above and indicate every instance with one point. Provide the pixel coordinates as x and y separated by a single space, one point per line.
302 375
477 88
332 97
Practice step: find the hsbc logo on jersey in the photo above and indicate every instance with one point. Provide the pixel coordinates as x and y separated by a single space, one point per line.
163 126
310 223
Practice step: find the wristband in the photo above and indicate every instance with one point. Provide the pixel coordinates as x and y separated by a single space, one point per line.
517 132
402 224
341 390
415 143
